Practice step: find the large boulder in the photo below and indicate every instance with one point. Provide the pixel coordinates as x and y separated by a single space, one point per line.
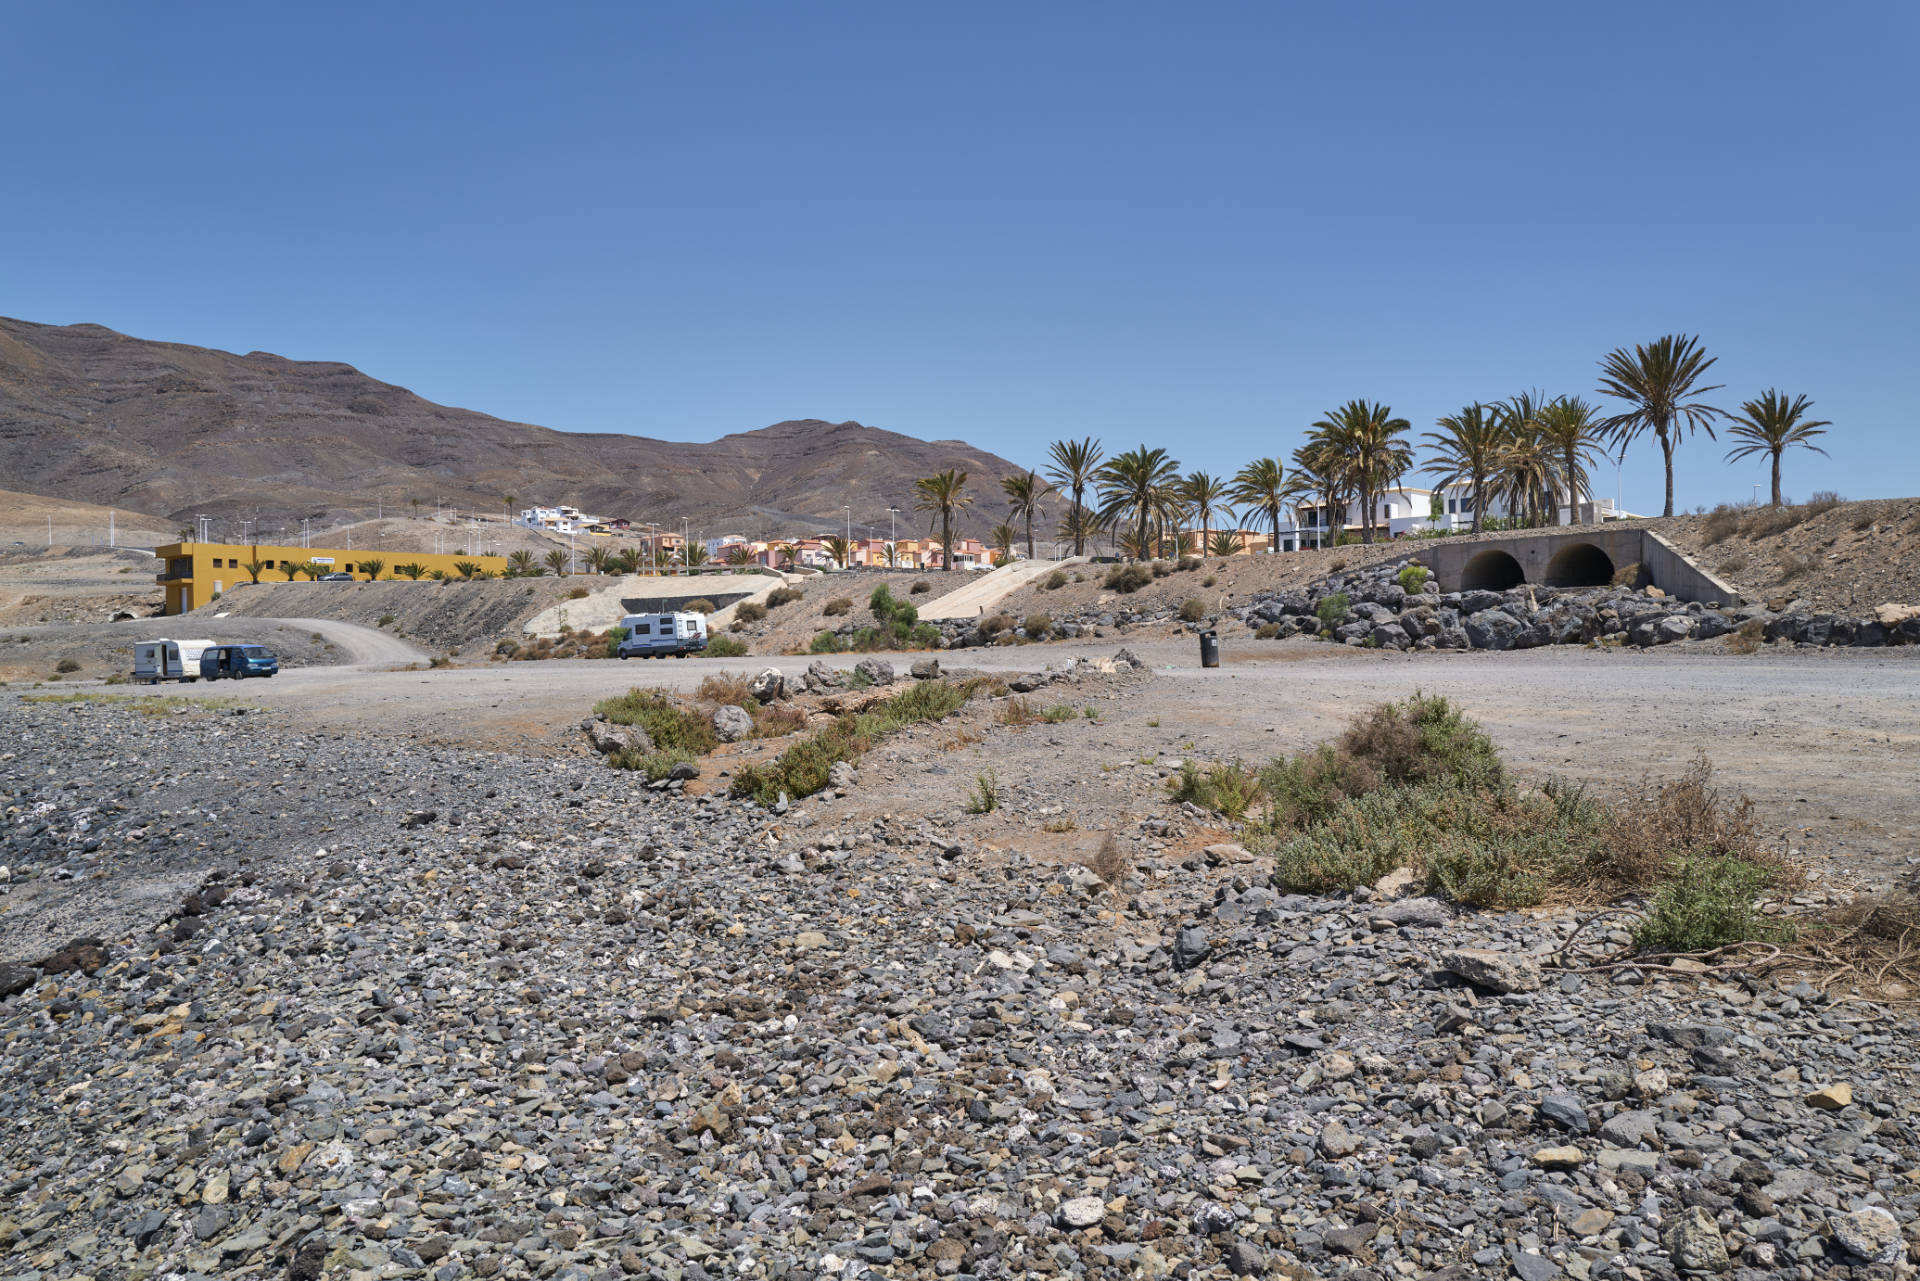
821 676
926 669
769 686
1491 628
731 723
1390 636
1474 602
608 738
875 671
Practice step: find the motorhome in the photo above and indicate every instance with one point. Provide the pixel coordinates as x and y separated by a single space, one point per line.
168 660
657 635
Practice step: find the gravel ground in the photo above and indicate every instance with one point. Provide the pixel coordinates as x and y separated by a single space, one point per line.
421 1011
106 649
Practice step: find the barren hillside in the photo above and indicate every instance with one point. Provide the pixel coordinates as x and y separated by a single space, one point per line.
1846 558
95 415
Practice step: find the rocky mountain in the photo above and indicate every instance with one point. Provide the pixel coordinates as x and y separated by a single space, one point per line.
93 415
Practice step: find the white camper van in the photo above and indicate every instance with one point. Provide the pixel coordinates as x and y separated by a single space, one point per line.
168 660
657 635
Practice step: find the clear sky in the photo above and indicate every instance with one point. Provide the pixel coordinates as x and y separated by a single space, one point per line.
1194 225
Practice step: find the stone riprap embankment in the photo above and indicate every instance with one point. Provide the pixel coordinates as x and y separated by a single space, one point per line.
522 1019
1383 614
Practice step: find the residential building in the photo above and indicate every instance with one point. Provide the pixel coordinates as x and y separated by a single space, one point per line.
193 573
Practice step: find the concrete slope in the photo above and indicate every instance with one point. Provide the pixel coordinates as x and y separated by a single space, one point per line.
979 597
365 646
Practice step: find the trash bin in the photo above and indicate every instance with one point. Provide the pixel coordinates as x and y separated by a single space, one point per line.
1209 648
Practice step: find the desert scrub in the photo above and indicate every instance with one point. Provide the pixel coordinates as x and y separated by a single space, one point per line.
1331 611
837 606
1058 714
984 798
1229 789
1419 740
826 643
783 596
67 666
1412 578
1746 638
1037 625
802 769
1708 902
1127 578
920 588
726 647
655 765
750 611
1266 631
1056 580
670 726
1192 610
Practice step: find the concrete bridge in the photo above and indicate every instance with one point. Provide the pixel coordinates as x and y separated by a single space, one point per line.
1571 556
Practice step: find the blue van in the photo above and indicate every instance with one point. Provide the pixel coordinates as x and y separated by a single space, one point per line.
237 662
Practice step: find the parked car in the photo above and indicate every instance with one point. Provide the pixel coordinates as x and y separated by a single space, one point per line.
167 660
237 662
334 578
661 635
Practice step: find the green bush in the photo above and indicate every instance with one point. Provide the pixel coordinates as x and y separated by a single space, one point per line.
655 765
826 643
1192 611
985 796
1229 789
726 647
670 726
802 769
1127 578
1706 903
614 636
1056 580
1332 610
1413 578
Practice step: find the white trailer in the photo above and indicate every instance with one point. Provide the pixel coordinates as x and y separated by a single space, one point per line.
658 635
168 660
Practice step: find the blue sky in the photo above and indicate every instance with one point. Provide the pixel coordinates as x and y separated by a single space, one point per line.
1199 225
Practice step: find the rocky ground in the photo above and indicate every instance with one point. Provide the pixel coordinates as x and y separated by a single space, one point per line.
446 616
1846 559
790 628
106 649
392 1009
41 584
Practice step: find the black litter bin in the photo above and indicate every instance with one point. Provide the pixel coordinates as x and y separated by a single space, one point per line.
1209 649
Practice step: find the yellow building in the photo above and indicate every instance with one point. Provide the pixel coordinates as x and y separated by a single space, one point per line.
193 572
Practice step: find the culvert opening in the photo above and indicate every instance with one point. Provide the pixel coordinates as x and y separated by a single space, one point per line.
1491 571
1579 565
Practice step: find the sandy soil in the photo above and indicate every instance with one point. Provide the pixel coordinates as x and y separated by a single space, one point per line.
1845 560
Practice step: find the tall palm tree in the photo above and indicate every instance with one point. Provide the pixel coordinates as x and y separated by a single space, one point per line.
838 548
1524 458
943 495
557 562
1466 448
1569 426
1024 492
1205 494
738 554
1075 463
1079 526
693 555
1772 425
1003 537
1261 486
1658 381
1134 486
416 507
1319 473
509 500
1370 438
599 559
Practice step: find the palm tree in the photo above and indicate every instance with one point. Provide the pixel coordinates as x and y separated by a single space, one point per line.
509 500
786 555
1368 437
838 548
186 533
1225 543
1319 473
410 570
598 559
1466 448
1657 381
1260 486
1525 461
1205 494
1074 466
373 568
1570 429
1079 526
307 567
738 554
557 562
893 555
1134 486
521 563
254 567
416 507
693 555
943 496
1772 425
467 568
1003 536
1024 492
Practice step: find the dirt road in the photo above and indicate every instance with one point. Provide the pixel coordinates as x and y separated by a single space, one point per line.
364 646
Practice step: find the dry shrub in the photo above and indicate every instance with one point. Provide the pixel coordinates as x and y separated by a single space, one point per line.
1111 863
1794 566
1734 564
920 588
1266 631
1746 638
1863 521
726 688
1017 711
1822 502
837 606
750 611
996 624
778 720
1038 625
1634 576
1127 578
1872 941
1765 522
1722 523
1192 610
1652 825
783 596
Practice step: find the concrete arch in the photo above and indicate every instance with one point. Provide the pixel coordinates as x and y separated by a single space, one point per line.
1491 571
1580 565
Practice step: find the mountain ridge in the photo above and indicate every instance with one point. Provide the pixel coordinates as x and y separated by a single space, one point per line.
92 414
